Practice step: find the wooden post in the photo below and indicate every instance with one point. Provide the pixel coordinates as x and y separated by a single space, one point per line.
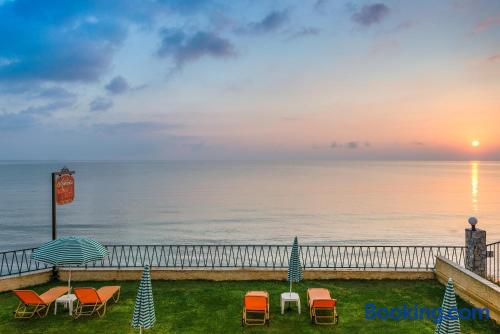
54 232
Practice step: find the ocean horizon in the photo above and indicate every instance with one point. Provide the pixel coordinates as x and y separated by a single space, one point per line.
356 202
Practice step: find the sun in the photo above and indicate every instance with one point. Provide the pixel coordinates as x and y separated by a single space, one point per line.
475 143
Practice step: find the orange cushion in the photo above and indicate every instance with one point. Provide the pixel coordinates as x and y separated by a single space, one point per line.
106 292
87 295
256 300
320 297
54 293
29 297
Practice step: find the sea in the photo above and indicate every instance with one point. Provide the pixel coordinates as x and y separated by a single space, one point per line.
253 202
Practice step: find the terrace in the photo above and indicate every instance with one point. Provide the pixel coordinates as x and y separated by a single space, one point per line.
199 289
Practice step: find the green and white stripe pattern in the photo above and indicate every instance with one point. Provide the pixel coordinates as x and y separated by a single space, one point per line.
70 251
144 310
449 323
295 273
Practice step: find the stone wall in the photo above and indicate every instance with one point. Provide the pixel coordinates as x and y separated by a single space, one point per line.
475 255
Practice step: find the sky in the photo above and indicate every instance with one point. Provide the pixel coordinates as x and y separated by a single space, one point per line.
249 79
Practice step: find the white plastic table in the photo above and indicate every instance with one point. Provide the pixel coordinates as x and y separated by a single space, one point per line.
67 301
289 297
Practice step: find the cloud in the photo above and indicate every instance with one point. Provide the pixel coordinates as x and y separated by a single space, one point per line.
56 41
385 48
304 32
186 6
493 58
34 90
370 14
185 48
28 117
405 25
117 85
321 5
196 147
132 127
271 22
101 104
351 145
15 121
48 108
71 41
487 23
54 93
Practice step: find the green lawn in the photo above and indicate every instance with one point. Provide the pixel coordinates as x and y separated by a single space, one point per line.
215 307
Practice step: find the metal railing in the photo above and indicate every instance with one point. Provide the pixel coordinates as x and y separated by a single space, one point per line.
493 262
17 262
252 256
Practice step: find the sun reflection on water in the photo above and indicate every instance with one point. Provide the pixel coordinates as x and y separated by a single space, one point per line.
474 175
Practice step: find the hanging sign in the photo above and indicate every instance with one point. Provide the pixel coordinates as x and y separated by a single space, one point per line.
65 189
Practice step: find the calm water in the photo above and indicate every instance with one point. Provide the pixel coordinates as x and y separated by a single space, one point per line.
253 202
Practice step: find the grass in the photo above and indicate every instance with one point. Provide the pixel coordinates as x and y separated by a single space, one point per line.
215 307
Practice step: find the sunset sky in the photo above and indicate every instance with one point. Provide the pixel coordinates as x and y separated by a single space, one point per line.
187 79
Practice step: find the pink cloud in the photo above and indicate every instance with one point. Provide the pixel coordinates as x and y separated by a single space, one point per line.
493 58
487 23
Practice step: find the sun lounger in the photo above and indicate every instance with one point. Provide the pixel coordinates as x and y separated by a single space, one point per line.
322 308
30 303
91 301
255 303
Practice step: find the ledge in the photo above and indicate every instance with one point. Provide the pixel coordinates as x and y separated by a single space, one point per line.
13 282
106 274
471 287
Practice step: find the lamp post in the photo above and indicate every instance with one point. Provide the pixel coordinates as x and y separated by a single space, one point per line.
473 222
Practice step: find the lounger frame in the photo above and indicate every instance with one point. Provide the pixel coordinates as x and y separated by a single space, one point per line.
38 306
331 317
99 307
25 311
245 320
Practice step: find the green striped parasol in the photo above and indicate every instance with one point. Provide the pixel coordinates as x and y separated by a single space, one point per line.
449 322
295 273
144 310
70 251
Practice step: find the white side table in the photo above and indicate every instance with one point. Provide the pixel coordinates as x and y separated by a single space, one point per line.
67 301
289 297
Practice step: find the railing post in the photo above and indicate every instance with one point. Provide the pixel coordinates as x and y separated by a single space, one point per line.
475 252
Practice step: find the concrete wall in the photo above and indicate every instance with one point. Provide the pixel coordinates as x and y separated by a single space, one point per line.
472 288
238 274
25 280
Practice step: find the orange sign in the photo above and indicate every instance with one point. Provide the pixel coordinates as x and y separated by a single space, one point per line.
65 189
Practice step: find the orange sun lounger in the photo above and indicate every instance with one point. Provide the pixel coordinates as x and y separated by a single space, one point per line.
322 306
256 303
30 303
90 300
